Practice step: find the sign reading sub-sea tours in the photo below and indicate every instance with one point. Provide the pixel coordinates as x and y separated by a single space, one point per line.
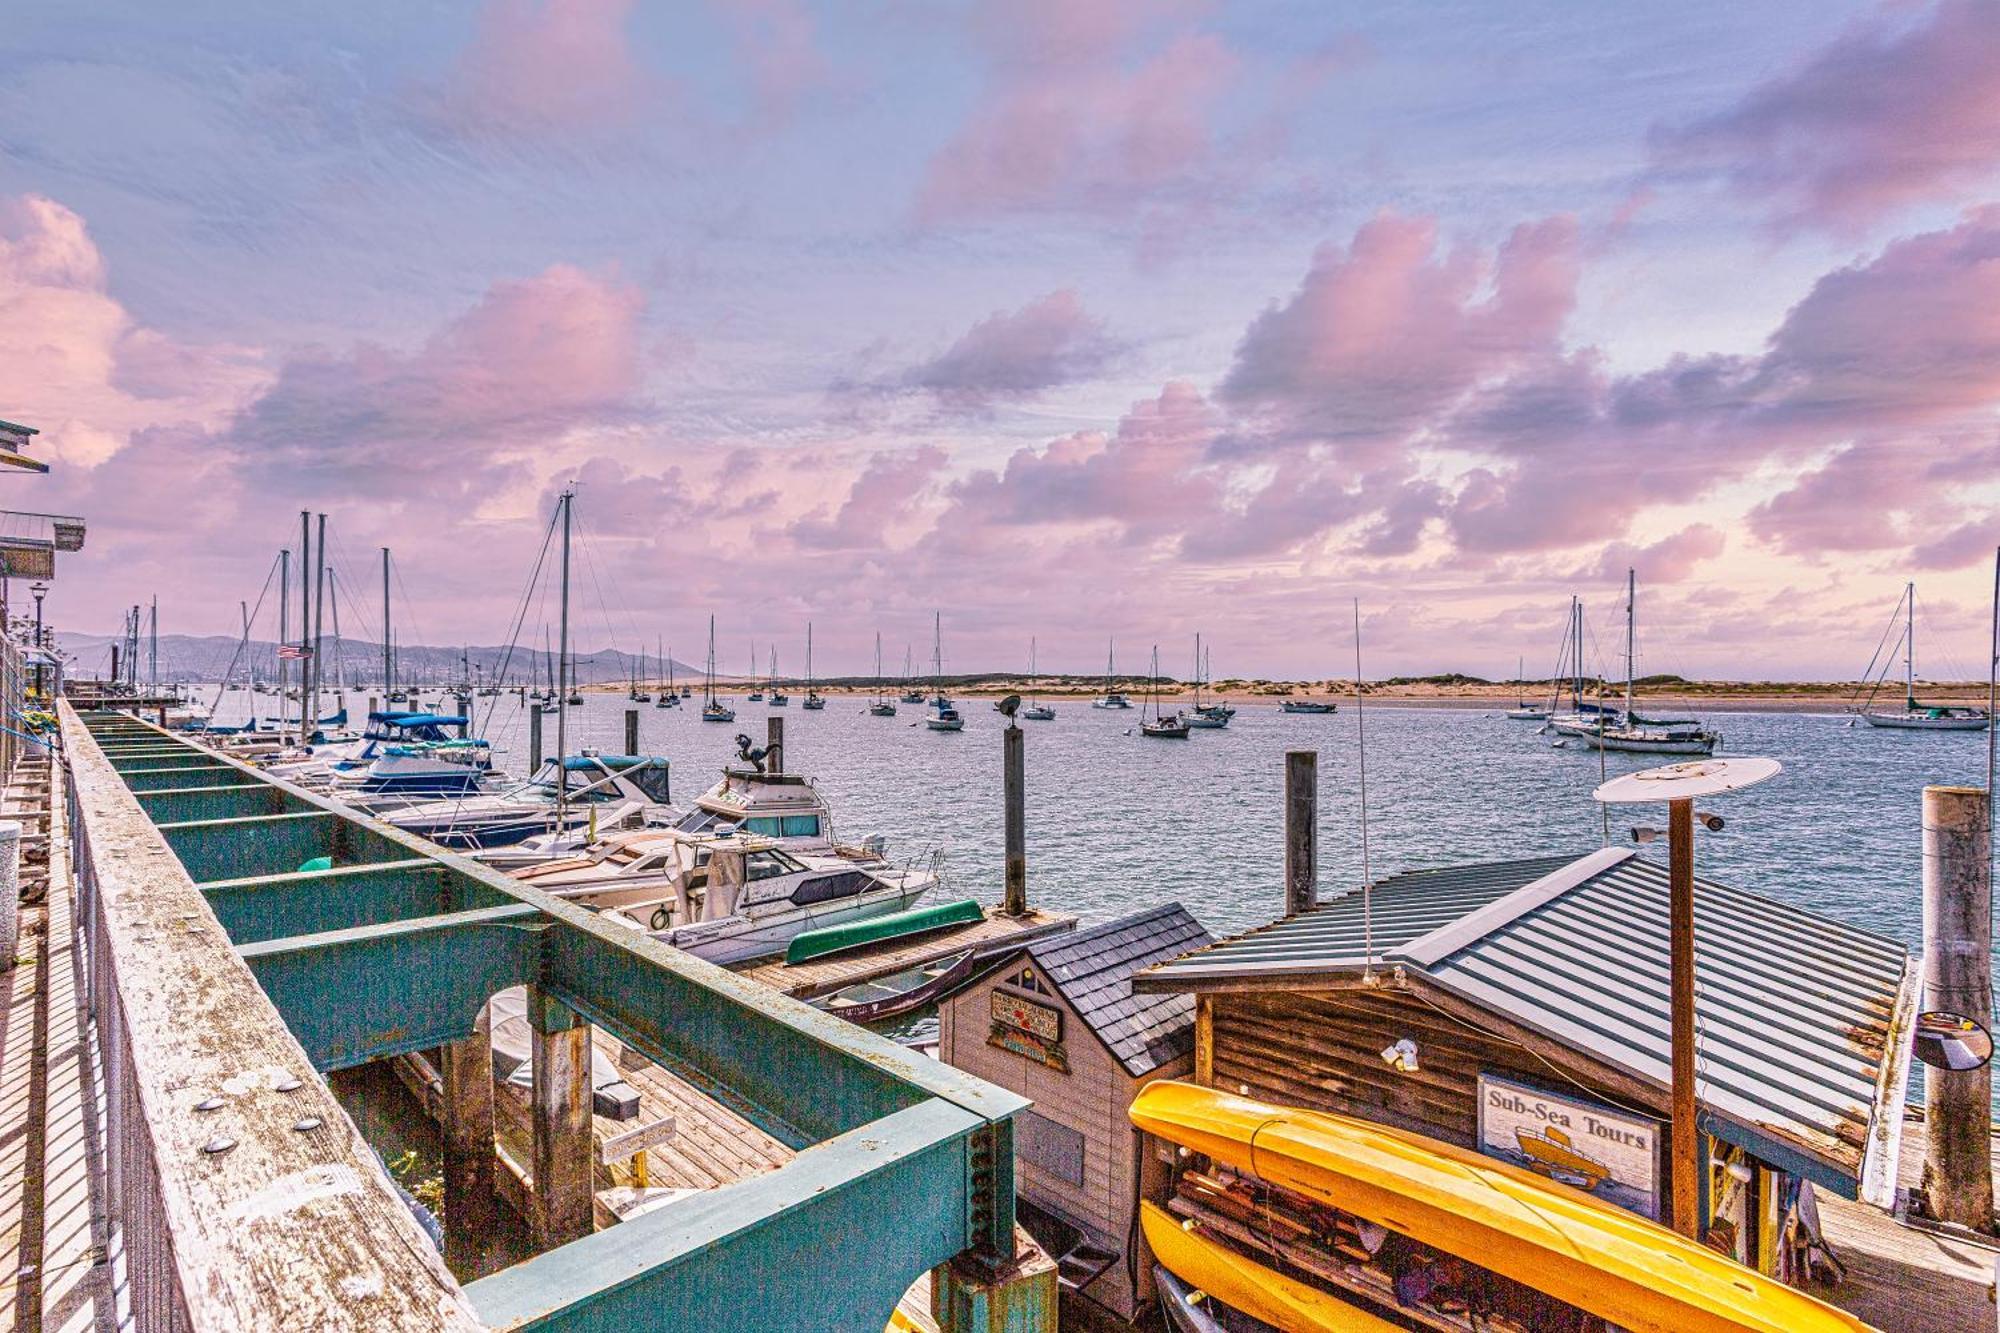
1608 1152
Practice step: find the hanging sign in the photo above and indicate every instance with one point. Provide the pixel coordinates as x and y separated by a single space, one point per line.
1607 1152
1028 1029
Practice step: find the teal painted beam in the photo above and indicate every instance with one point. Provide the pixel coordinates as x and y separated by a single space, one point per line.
174 805
182 775
314 902
351 996
256 845
182 757
827 1243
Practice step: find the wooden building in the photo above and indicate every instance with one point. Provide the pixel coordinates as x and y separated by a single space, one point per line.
1521 1008
1058 1022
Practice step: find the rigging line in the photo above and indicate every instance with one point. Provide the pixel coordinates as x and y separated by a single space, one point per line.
1933 640
520 618
589 562
1868 677
589 542
360 608
243 645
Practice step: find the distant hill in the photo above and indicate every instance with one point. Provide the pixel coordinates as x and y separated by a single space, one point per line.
206 658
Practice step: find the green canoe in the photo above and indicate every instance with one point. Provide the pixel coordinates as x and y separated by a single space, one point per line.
875 929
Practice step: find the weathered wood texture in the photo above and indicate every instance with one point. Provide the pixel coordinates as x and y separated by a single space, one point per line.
275 1227
1958 978
1301 830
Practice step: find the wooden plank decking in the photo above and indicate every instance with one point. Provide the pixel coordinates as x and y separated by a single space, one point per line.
1903 1277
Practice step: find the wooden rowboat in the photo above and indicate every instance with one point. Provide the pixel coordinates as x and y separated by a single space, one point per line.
900 992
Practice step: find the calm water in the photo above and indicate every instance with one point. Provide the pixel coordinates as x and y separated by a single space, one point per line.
1117 821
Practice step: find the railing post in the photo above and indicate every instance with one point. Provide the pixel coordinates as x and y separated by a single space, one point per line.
470 1214
564 1190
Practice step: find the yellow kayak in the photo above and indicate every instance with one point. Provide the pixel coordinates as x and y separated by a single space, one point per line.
1244 1284
1600 1258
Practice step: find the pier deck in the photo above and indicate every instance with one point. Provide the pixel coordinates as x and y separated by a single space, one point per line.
821 976
1903 1277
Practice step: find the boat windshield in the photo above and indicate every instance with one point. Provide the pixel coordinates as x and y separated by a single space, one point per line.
703 821
768 863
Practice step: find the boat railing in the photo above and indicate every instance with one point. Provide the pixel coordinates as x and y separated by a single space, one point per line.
224 979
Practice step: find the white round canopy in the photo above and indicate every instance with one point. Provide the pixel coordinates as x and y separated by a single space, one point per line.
1675 782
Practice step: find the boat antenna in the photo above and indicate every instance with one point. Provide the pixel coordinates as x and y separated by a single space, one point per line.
1361 746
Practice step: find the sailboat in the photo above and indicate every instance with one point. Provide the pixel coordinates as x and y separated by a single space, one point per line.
883 705
640 694
1915 715
911 694
1585 716
778 697
1634 734
669 697
712 709
1036 711
1111 698
1209 715
1523 711
1166 726
756 695
944 715
815 701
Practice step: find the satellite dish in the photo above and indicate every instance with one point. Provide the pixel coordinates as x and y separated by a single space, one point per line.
1680 782
1945 1040
1010 705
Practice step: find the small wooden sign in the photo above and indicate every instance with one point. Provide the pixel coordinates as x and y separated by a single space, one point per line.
1014 1011
618 1147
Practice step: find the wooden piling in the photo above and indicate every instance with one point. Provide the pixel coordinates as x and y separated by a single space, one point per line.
774 744
1958 925
471 1216
1301 830
534 738
1014 780
561 1110
1686 1141
631 731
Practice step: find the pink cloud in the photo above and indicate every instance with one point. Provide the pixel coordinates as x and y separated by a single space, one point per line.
1672 559
1388 330
1086 106
1046 343
546 67
1893 113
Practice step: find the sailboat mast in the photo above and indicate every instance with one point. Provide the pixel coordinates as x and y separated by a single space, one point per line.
562 669
1631 636
708 685
284 628
310 717
1909 645
388 661
809 657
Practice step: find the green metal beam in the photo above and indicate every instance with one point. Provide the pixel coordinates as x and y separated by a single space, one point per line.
181 775
351 996
313 902
186 757
827 1242
256 845
173 805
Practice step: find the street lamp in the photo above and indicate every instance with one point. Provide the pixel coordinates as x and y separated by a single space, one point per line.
40 590
1678 785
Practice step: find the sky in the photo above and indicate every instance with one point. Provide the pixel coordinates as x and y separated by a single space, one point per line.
1064 319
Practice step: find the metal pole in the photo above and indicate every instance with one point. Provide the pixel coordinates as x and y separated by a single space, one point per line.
388 664
310 719
1686 1137
305 621
1301 830
562 677
1014 781
1958 928
152 642
284 629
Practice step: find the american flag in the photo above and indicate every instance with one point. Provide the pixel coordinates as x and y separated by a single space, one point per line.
294 651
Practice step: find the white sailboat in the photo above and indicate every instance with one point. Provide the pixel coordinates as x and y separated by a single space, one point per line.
944 714
1161 726
1036 711
814 701
1523 711
1915 715
1210 715
1111 698
712 708
1634 734
883 705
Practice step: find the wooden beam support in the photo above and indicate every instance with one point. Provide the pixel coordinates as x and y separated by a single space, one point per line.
471 1212
1204 1040
560 1104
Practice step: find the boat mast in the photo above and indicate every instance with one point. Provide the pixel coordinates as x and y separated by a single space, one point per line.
809 659
1033 674
388 661
1909 646
937 653
1197 671
284 628
879 694
309 719
708 685
1631 635
563 672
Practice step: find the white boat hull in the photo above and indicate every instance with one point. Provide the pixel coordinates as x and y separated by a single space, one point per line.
1918 722
1611 740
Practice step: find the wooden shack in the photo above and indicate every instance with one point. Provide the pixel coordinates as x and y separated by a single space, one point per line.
1057 1021
1521 1008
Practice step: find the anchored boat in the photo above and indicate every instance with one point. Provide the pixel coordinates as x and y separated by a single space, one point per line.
563 796
1915 715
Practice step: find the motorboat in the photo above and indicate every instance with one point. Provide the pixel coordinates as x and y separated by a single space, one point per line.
399 753
574 792
1308 706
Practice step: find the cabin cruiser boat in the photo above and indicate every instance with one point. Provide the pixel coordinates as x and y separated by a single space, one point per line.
601 789
1111 699
944 716
729 897
397 754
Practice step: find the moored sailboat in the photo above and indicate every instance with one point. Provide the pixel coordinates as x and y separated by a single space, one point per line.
1915 715
944 714
712 708
882 705
1162 726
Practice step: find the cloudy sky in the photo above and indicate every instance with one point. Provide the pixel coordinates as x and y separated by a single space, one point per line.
1069 318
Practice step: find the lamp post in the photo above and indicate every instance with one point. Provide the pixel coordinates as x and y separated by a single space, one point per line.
1678 785
40 590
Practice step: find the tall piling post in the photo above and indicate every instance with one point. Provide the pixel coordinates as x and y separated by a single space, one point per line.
534 738
1015 781
471 1213
1958 929
561 1109
631 731
1689 1156
1301 831
774 745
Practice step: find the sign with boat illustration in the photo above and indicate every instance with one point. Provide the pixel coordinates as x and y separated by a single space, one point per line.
1607 1152
1028 1029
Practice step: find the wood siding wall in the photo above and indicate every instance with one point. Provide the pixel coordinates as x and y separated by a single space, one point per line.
1323 1051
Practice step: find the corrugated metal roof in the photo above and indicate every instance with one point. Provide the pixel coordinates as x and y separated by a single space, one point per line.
1795 1010
1093 971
